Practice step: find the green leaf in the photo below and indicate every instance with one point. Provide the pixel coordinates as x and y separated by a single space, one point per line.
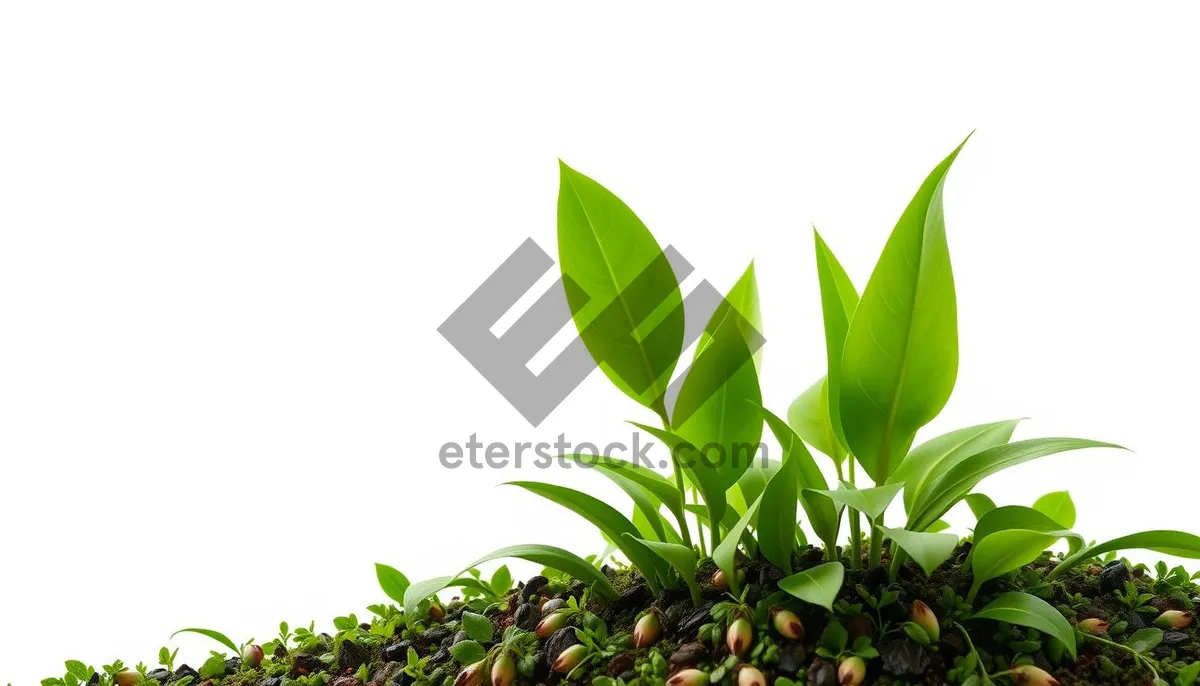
926 549
548 556
1176 543
928 461
683 559
1027 610
777 514
752 484
822 514
900 358
1020 517
79 670
715 411
1057 506
839 299
725 554
1145 640
645 502
214 635
501 580
611 523
980 504
616 278
709 482
477 627
1004 551
728 523
659 487
468 652
819 585
743 297
393 583
872 502
961 479
808 415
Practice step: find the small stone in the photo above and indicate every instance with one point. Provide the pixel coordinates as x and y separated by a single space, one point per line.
559 641
691 622
791 657
629 676
821 673
1089 612
688 655
620 664
397 652
435 634
232 665
403 679
1113 577
160 675
904 658
352 656
1174 638
440 656
306 664
552 605
280 650
1135 621
184 670
636 596
527 617
535 585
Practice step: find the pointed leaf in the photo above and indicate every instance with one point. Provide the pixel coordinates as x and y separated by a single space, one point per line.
980 504
1057 506
839 299
808 415
393 583
933 458
214 635
683 559
1177 543
1004 551
477 626
743 297
1024 609
819 585
777 515
709 482
872 502
725 554
822 514
928 550
616 278
1020 517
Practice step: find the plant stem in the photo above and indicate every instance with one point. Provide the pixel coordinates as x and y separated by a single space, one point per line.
855 531
1137 657
682 514
876 541
979 665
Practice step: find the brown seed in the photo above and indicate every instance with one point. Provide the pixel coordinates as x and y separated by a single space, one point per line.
436 611
852 671
1028 675
720 581
750 676
923 617
647 630
688 677
739 636
252 656
1093 625
550 623
570 658
471 675
504 670
127 677
1175 619
787 623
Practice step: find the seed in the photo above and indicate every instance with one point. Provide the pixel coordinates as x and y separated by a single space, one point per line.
1175 619
1093 626
688 677
647 630
923 617
787 623
550 623
471 675
750 676
252 656
127 677
852 671
738 636
504 670
570 658
436 611
1028 675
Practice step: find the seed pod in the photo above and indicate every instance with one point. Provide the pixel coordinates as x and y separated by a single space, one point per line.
1174 619
647 630
923 617
750 676
787 623
551 605
436 611
471 675
720 581
550 623
1028 675
688 677
570 658
739 636
504 670
1093 626
852 671
127 677
252 656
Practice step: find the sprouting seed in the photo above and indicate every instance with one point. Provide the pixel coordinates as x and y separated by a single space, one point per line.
570 658
1028 675
471 675
647 630
252 656
1175 619
787 623
1093 625
688 677
750 676
852 671
551 623
924 617
739 636
504 670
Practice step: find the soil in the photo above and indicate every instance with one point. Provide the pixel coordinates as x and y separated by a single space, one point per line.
1129 598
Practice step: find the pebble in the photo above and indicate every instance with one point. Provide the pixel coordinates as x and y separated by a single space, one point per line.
1113 577
688 655
397 652
1174 638
559 641
620 664
527 616
822 674
552 605
691 622
637 596
904 658
351 655
535 585
791 657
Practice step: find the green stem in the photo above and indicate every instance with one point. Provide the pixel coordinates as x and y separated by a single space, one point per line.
855 530
978 664
1138 658
876 541
973 592
898 558
681 516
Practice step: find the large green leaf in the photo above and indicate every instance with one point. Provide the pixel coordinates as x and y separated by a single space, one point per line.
1023 609
1004 551
926 462
683 559
901 354
808 415
611 523
940 495
777 515
725 553
743 298
872 502
926 549
616 278
819 585
754 481
621 473
545 555
1020 517
839 299
1057 506
393 583
1167 542
822 514
716 407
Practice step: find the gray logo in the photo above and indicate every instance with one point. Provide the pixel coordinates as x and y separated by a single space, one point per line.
503 360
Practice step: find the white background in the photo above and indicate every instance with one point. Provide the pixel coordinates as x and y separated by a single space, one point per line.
228 234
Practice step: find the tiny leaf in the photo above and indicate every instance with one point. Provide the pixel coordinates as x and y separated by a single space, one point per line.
819 585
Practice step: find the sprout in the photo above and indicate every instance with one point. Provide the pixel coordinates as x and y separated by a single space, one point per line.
471 675
852 671
787 623
252 656
1028 675
648 630
688 677
436 611
504 670
750 676
923 617
739 636
570 658
1174 619
1093 626
551 623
